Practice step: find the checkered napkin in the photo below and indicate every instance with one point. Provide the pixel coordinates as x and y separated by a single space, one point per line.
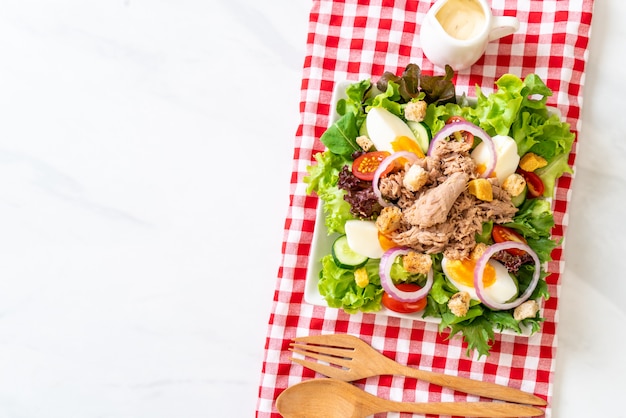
359 39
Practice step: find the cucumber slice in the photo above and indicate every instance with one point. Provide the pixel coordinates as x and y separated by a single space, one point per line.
363 130
520 198
422 134
344 256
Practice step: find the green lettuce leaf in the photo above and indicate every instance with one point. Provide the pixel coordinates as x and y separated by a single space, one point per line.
533 219
497 112
477 333
356 94
555 169
322 180
503 320
340 137
339 289
388 99
440 294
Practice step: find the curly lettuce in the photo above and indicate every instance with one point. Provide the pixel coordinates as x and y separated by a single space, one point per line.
534 220
518 109
339 289
322 180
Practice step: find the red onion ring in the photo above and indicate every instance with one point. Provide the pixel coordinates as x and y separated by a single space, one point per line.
480 269
451 128
386 262
383 166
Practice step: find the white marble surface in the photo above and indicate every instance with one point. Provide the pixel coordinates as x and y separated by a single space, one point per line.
136 276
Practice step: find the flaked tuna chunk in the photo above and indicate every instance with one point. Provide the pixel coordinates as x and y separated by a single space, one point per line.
433 206
430 240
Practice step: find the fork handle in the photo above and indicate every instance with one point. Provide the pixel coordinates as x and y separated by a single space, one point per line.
471 386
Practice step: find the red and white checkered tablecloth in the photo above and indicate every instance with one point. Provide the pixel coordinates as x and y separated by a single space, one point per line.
358 39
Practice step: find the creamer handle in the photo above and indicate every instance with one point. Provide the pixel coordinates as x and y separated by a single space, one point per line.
502 26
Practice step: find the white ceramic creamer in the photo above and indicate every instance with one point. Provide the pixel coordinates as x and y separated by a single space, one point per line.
456 32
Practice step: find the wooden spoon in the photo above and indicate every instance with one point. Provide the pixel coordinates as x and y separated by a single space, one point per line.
334 398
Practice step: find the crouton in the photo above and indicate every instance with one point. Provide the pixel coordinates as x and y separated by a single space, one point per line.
417 263
414 178
389 219
531 161
415 111
526 310
364 142
478 251
481 188
459 304
361 277
514 184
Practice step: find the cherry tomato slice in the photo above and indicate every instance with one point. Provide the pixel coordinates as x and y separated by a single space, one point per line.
453 119
534 183
366 164
502 234
461 135
404 307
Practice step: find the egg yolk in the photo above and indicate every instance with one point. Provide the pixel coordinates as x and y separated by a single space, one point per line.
481 168
404 143
385 242
463 272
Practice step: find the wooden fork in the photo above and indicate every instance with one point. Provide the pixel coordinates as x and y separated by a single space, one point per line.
357 360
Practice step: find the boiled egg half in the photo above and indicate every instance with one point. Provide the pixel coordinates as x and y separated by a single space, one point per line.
499 285
362 238
507 157
383 127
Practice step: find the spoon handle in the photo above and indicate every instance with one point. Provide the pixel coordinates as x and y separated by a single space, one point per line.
473 387
464 409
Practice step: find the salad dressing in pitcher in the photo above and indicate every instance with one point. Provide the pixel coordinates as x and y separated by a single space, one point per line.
462 19
456 32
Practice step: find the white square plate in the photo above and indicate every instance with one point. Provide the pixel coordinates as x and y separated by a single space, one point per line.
322 242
